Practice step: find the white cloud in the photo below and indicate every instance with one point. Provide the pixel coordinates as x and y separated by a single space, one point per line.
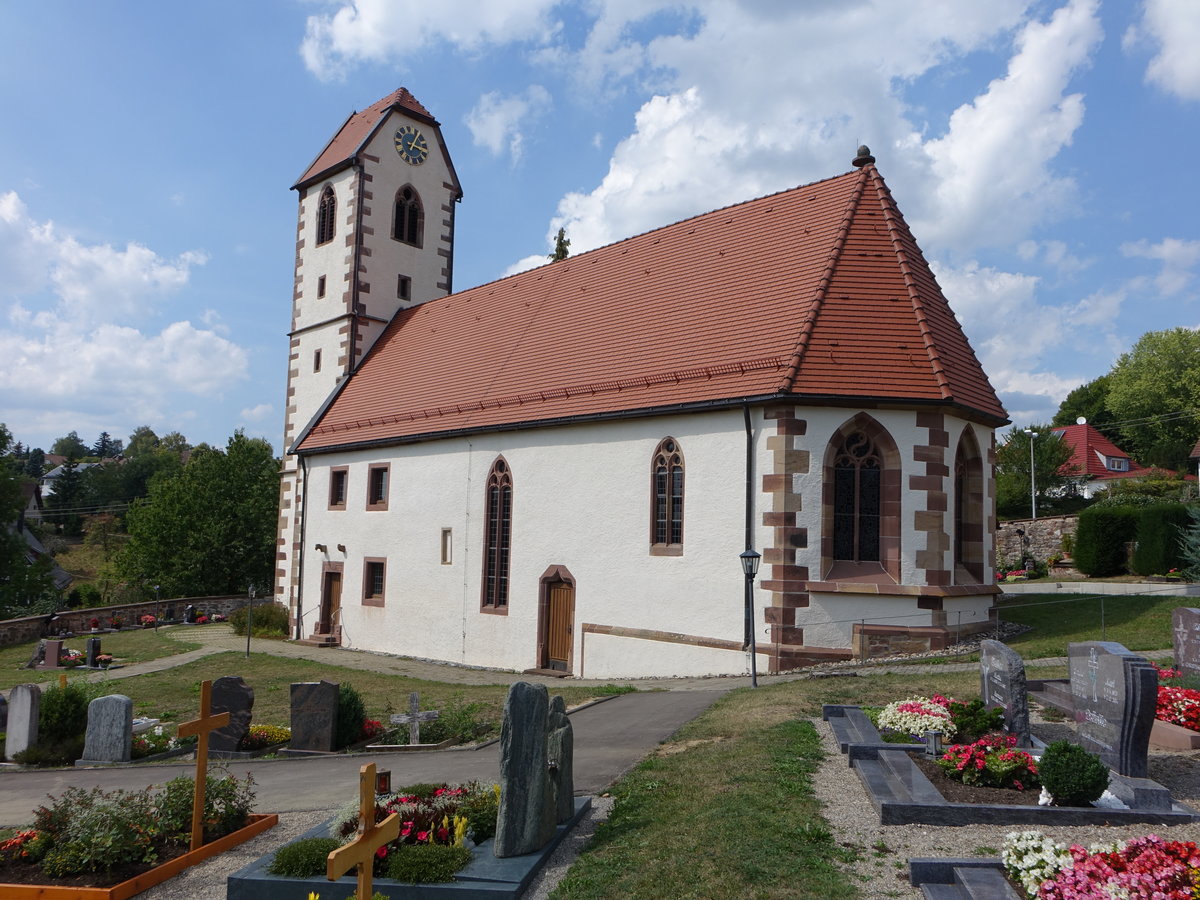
499 123
1178 259
384 30
257 413
1173 27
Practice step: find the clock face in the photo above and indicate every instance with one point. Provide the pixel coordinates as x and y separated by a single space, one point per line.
411 145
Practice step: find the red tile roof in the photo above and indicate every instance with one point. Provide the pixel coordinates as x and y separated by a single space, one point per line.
1088 446
818 293
357 129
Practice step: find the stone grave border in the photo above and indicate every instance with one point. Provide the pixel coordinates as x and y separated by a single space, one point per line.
902 794
961 879
484 876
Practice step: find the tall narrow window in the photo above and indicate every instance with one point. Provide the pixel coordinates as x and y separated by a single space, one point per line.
666 497
337 487
326 211
447 546
316 360
320 287
409 217
377 487
968 511
403 287
856 499
374 581
497 537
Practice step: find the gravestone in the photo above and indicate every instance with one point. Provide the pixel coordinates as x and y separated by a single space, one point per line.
525 822
560 756
1115 693
414 717
52 655
1185 622
39 654
232 695
109 736
3 714
24 704
93 650
1002 686
314 715
189 614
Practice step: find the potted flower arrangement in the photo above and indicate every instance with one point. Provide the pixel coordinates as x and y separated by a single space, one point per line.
218 617
201 620
148 620
94 624
104 660
117 622
71 658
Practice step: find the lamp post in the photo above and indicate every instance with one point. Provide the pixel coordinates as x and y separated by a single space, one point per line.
157 608
1032 474
249 620
750 561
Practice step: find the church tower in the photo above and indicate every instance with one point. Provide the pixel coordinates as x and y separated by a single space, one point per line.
374 235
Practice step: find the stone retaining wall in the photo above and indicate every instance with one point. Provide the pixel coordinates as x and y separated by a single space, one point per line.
19 631
1040 538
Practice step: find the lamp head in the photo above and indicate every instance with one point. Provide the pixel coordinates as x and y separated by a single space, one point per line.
750 560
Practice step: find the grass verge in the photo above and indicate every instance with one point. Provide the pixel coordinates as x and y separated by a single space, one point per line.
1138 622
131 646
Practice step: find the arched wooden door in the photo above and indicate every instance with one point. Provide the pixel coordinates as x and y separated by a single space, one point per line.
556 620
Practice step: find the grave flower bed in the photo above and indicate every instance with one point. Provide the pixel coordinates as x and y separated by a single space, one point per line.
260 737
156 741
1148 867
991 761
913 717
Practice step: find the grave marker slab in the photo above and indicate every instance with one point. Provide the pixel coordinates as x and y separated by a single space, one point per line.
93 650
52 655
1115 694
1185 622
314 715
1002 686
525 822
24 703
560 756
109 737
231 694
3 714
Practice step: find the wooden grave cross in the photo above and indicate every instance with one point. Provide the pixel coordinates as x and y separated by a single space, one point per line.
62 681
414 717
201 727
361 851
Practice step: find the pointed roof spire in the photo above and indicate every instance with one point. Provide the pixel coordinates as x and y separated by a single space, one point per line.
864 157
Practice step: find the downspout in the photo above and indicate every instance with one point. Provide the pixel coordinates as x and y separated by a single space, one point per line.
749 512
302 499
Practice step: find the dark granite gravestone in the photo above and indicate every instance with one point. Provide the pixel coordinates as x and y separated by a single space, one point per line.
93 650
1185 622
1115 694
525 822
1002 686
560 756
232 695
3 714
189 614
314 715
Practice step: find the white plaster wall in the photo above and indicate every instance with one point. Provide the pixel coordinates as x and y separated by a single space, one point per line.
829 619
616 656
581 499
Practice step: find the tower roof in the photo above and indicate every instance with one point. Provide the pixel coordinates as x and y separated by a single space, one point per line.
818 294
357 129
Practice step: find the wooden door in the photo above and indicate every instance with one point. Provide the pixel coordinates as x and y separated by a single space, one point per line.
331 602
560 626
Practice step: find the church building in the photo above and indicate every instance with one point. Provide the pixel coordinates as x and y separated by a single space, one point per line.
559 470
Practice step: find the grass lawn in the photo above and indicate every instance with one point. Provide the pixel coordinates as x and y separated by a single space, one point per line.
131 646
1140 623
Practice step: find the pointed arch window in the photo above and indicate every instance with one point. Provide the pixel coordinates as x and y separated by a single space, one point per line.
969 553
666 499
409 223
857 495
497 538
326 213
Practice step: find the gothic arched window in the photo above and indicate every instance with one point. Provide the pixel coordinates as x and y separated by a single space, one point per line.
857 467
968 510
497 536
326 213
409 223
666 498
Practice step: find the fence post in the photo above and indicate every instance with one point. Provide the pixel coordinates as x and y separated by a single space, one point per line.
1103 629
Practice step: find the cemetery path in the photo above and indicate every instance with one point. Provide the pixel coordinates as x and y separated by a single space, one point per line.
610 738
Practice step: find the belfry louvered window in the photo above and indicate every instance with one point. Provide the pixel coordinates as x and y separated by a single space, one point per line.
857 469
666 495
326 216
497 536
410 217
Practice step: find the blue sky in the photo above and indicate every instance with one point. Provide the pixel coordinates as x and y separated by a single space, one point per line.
1041 152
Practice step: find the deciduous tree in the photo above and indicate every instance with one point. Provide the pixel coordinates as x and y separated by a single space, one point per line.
1050 456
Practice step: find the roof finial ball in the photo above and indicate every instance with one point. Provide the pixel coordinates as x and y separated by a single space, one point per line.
864 157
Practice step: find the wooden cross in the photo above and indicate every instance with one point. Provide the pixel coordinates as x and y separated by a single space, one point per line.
361 851
62 681
208 722
414 717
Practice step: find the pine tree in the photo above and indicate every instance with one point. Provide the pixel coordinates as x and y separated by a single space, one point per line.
562 246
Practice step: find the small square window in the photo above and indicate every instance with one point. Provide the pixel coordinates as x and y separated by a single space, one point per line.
321 287
404 287
337 488
316 360
374 581
377 487
447 546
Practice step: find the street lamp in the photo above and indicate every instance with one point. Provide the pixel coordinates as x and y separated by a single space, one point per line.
157 609
750 561
1032 481
249 620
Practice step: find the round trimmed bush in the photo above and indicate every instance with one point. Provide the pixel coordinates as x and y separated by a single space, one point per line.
305 858
1073 776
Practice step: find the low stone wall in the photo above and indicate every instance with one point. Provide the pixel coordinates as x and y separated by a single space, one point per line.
1040 538
19 631
871 641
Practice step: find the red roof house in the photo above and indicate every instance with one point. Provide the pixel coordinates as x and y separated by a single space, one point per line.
1096 461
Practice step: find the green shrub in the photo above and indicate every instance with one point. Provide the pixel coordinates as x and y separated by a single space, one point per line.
63 713
227 805
1101 537
305 858
1073 776
58 753
972 720
481 806
422 789
425 863
457 721
350 714
270 620
94 831
1158 531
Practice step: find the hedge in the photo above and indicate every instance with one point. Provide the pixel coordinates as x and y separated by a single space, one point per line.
1101 537
1158 531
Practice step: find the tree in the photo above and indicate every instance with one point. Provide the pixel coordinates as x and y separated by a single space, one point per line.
1091 402
106 446
210 529
68 499
35 464
143 440
25 587
562 246
70 446
1050 456
1155 390
175 442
